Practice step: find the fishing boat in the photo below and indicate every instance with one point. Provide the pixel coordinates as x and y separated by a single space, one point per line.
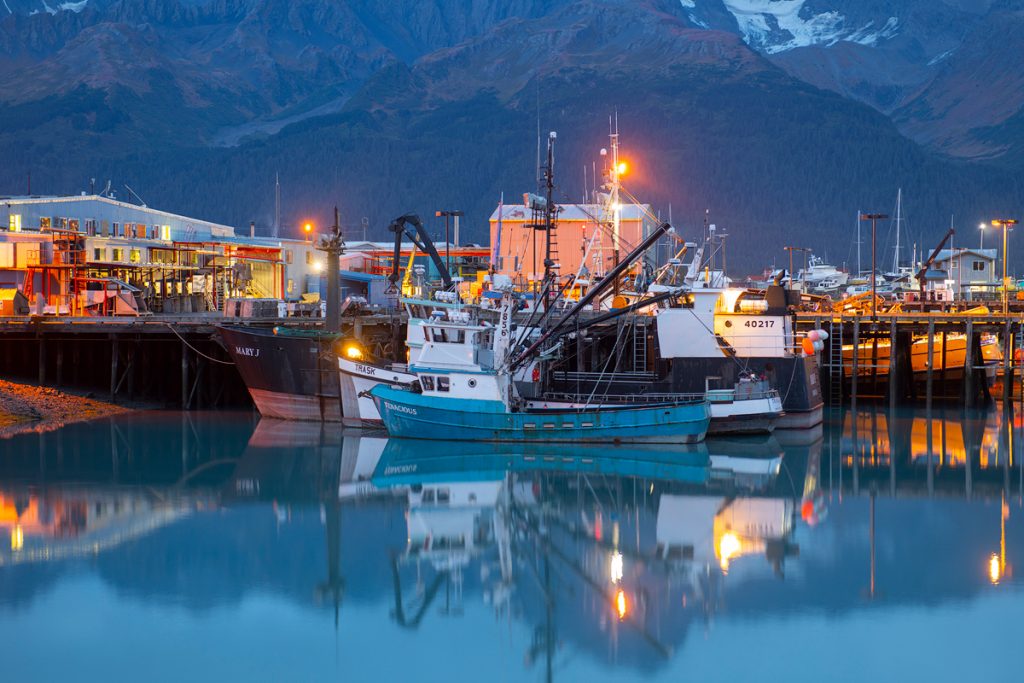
820 274
290 374
466 393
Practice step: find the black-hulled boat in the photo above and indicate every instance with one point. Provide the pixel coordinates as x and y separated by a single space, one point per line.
290 374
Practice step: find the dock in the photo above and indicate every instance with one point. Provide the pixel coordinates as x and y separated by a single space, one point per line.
863 371
172 361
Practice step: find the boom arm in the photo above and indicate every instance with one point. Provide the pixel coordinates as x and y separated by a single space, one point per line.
411 226
931 259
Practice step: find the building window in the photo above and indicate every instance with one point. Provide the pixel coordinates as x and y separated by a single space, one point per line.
90 227
114 228
135 256
309 258
978 265
44 222
14 222
165 233
63 223
97 254
118 254
73 224
287 255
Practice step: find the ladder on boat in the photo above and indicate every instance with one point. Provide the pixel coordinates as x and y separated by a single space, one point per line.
640 344
835 364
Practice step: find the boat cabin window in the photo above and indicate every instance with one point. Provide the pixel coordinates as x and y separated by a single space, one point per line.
427 382
447 334
444 496
428 496
443 384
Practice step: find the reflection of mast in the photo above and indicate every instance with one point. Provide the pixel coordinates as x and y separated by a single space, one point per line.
428 597
532 525
335 584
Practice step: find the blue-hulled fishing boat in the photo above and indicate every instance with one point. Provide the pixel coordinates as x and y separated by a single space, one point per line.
408 414
465 392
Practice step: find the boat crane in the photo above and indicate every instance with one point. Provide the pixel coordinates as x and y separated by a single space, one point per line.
410 226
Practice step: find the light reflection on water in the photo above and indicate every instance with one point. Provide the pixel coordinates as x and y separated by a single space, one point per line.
209 546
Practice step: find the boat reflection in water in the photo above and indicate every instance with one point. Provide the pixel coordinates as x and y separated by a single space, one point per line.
614 563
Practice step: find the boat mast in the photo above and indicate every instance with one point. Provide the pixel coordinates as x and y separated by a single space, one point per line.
549 212
899 207
616 207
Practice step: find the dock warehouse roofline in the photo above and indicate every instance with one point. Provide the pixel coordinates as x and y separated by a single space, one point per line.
12 202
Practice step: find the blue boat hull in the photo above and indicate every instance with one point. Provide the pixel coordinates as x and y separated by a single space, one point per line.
407 414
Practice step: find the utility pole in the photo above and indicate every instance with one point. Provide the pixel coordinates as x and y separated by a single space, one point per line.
874 218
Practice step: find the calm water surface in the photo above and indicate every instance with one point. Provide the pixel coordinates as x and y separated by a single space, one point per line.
168 547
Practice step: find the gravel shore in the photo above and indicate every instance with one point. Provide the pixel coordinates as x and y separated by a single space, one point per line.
27 408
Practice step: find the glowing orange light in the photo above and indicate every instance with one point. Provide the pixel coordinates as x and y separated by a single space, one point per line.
308 227
994 570
620 603
622 168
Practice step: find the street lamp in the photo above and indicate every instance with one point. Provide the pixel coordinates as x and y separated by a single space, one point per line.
1006 224
982 226
308 229
874 218
447 242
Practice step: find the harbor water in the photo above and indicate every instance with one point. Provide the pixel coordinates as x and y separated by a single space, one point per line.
165 546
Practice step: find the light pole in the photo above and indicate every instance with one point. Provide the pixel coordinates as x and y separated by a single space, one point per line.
1006 224
791 250
874 218
982 226
447 243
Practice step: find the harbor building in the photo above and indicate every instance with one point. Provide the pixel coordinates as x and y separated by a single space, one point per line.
72 253
972 272
584 241
96 255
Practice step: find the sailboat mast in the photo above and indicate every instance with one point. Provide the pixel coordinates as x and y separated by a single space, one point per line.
860 268
899 208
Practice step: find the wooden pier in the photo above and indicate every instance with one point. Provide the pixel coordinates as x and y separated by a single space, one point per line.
874 356
164 361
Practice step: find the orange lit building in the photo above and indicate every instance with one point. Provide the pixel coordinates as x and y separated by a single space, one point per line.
582 233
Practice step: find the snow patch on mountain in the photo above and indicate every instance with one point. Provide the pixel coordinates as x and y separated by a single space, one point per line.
688 4
74 6
779 25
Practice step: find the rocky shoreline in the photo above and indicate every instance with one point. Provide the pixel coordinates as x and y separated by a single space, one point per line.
28 408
